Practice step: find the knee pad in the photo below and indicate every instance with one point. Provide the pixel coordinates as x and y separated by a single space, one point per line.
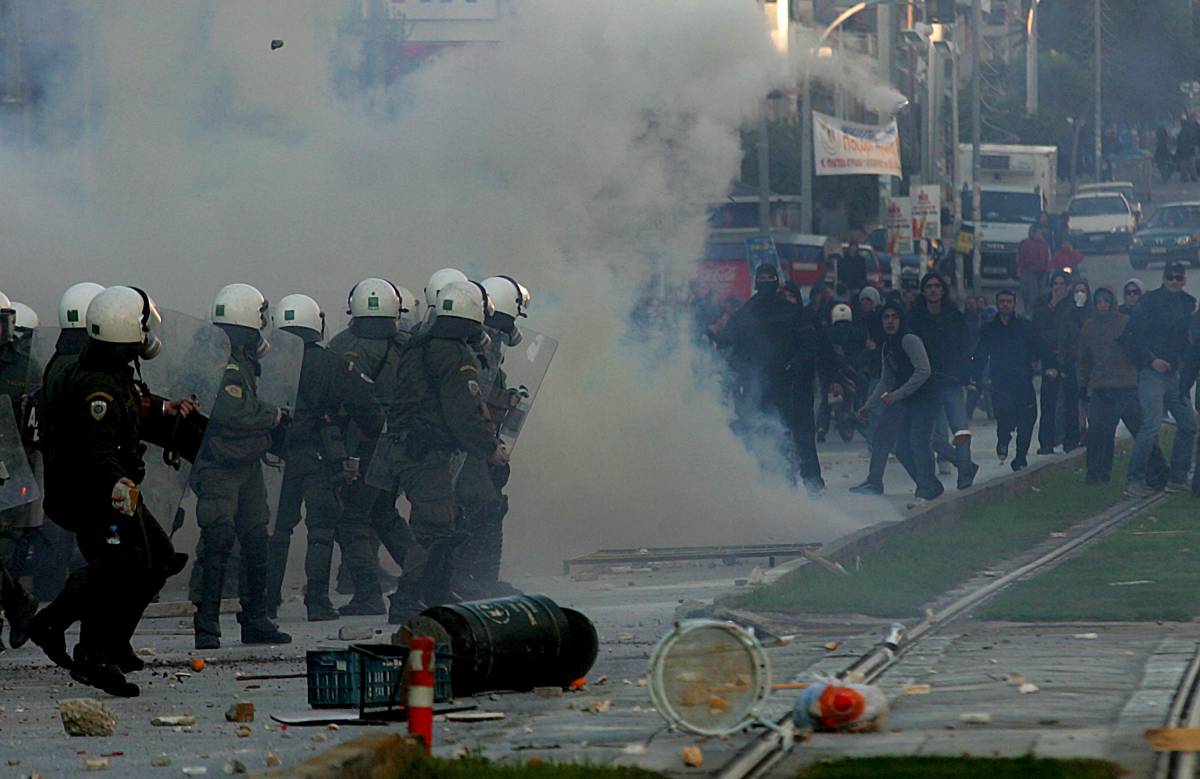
218 539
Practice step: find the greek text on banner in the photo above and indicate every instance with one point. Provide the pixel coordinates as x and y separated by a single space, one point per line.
842 148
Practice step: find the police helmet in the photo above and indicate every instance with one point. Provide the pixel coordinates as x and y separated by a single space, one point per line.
438 281
72 308
241 305
301 313
375 297
125 315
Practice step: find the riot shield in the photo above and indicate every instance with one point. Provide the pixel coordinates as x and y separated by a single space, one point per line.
18 486
278 384
191 364
525 366
41 348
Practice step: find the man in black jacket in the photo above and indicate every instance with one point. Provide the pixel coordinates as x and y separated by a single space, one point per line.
1010 346
1156 340
944 332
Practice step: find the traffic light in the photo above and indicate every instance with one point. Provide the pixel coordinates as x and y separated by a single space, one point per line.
942 11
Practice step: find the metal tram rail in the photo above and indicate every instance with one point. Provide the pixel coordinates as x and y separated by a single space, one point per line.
765 752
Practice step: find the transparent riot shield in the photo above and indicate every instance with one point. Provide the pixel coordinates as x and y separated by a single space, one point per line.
278 384
41 347
191 364
18 486
525 366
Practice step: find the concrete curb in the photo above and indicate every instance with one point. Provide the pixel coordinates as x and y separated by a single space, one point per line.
942 512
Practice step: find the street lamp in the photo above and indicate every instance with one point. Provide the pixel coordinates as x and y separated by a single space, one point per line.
1031 59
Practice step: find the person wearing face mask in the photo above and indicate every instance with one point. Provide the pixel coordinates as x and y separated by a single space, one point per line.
231 496
1066 356
93 483
480 486
1156 341
1108 382
1009 350
1047 312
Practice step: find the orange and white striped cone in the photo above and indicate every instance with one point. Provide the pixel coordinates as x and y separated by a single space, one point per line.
420 688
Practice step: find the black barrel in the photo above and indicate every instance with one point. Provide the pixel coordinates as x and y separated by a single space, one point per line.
513 643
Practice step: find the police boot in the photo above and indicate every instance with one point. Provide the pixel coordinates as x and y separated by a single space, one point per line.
317 561
438 574
404 603
256 627
276 570
207 620
102 674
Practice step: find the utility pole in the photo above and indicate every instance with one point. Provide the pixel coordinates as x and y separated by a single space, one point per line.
764 172
976 130
1031 61
1097 132
806 153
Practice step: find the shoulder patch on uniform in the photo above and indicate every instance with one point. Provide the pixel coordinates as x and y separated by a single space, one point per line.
233 391
98 409
101 395
468 369
473 387
232 366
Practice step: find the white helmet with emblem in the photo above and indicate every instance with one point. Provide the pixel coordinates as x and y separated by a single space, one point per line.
374 297
438 281
300 312
26 318
410 307
462 300
72 308
508 296
125 315
242 305
841 313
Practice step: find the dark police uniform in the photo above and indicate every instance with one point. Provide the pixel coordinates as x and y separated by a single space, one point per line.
331 389
373 348
231 503
438 412
99 412
15 523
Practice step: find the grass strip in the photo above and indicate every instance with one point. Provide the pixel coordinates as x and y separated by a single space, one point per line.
472 767
1147 570
910 570
962 768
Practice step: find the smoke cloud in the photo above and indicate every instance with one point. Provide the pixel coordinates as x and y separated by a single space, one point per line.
576 155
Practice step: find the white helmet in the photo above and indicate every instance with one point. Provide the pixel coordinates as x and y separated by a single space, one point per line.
72 308
374 298
8 319
125 315
410 307
462 300
26 318
841 313
507 295
299 311
240 304
438 281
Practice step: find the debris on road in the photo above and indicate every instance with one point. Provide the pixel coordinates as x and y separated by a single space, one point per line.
1028 688
832 646
86 717
235 767
356 633
197 664
147 651
194 770
548 692
577 685
692 757
975 718
160 761
917 689
636 748
96 764
473 716
244 732
1086 636
273 760
174 720
241 711
601 707
832 707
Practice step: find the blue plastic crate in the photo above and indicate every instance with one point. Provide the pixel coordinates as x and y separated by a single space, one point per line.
367 675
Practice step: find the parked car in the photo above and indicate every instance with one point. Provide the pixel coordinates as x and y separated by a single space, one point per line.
1172 234
1101 221
1122 187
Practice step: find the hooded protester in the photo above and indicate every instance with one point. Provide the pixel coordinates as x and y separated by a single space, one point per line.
907 406
1108 386
942 329
1066 352
1131 293
1009 348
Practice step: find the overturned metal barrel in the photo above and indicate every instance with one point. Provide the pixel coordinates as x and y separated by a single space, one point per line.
513 643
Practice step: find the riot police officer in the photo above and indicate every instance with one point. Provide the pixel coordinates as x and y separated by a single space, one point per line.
437 412
371 345
231 496
319 464
98 415
480 485
437 282
18 605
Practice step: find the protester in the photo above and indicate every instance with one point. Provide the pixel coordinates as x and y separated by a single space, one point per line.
1156 341
1046 313
1033 263
907 409
1009 350
942 329
1066 355
1067 258
852 269
1132 293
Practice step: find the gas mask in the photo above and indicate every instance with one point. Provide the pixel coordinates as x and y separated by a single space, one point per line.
766 286
151 323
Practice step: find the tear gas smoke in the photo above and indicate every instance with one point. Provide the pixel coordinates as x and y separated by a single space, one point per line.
576 155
